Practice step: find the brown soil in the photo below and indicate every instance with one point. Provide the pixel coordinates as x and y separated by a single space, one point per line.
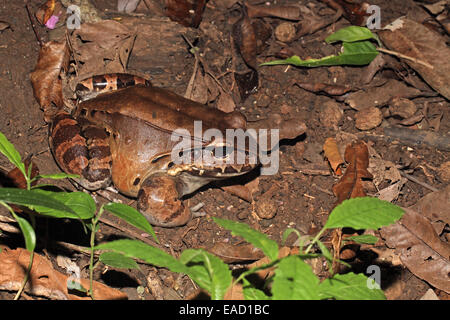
302 201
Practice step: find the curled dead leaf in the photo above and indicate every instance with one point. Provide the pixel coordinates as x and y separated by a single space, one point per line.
45 11
45 78
44 280
245 40
350 185
331 152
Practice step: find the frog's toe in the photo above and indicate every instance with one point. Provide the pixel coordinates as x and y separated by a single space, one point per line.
158 201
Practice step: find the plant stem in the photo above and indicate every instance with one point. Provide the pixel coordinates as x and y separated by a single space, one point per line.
91 261
317 237
95 220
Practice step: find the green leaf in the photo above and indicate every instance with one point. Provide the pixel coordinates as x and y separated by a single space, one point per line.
295 280
27 231
132 216
208 271
363 213
349 286
81 204
118 260
139 250
251 293
351 34
355 53
57 176
364 238
33 198
258 239
9 151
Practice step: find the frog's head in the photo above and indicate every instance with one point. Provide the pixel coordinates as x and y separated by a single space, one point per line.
197 164
184 171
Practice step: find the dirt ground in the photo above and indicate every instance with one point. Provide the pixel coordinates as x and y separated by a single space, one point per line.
300 198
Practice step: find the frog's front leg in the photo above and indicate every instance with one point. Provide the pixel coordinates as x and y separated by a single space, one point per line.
81 148
159 201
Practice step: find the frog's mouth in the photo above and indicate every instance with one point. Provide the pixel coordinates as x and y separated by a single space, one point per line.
218 160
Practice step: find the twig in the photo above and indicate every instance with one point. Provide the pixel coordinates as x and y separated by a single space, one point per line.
205 66
423 184
33 26
400 55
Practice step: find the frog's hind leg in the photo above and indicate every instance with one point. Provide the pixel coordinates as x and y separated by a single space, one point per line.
81 148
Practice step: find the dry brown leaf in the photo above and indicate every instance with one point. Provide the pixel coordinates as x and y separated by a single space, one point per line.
419 42
198 91
225 102
4 25
44 280
15 176
331 152
244 38
101 47
239 191
47 85
369 72
45 11
421 249
353 12
230 253
435 205
380 96
187 12
392 192
155 285
350 185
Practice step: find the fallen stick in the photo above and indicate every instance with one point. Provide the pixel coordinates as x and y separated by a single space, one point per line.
419 137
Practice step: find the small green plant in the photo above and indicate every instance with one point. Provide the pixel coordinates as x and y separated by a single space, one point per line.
356 50
72 205
293 278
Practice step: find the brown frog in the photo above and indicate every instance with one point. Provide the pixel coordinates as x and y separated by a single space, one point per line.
123 132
